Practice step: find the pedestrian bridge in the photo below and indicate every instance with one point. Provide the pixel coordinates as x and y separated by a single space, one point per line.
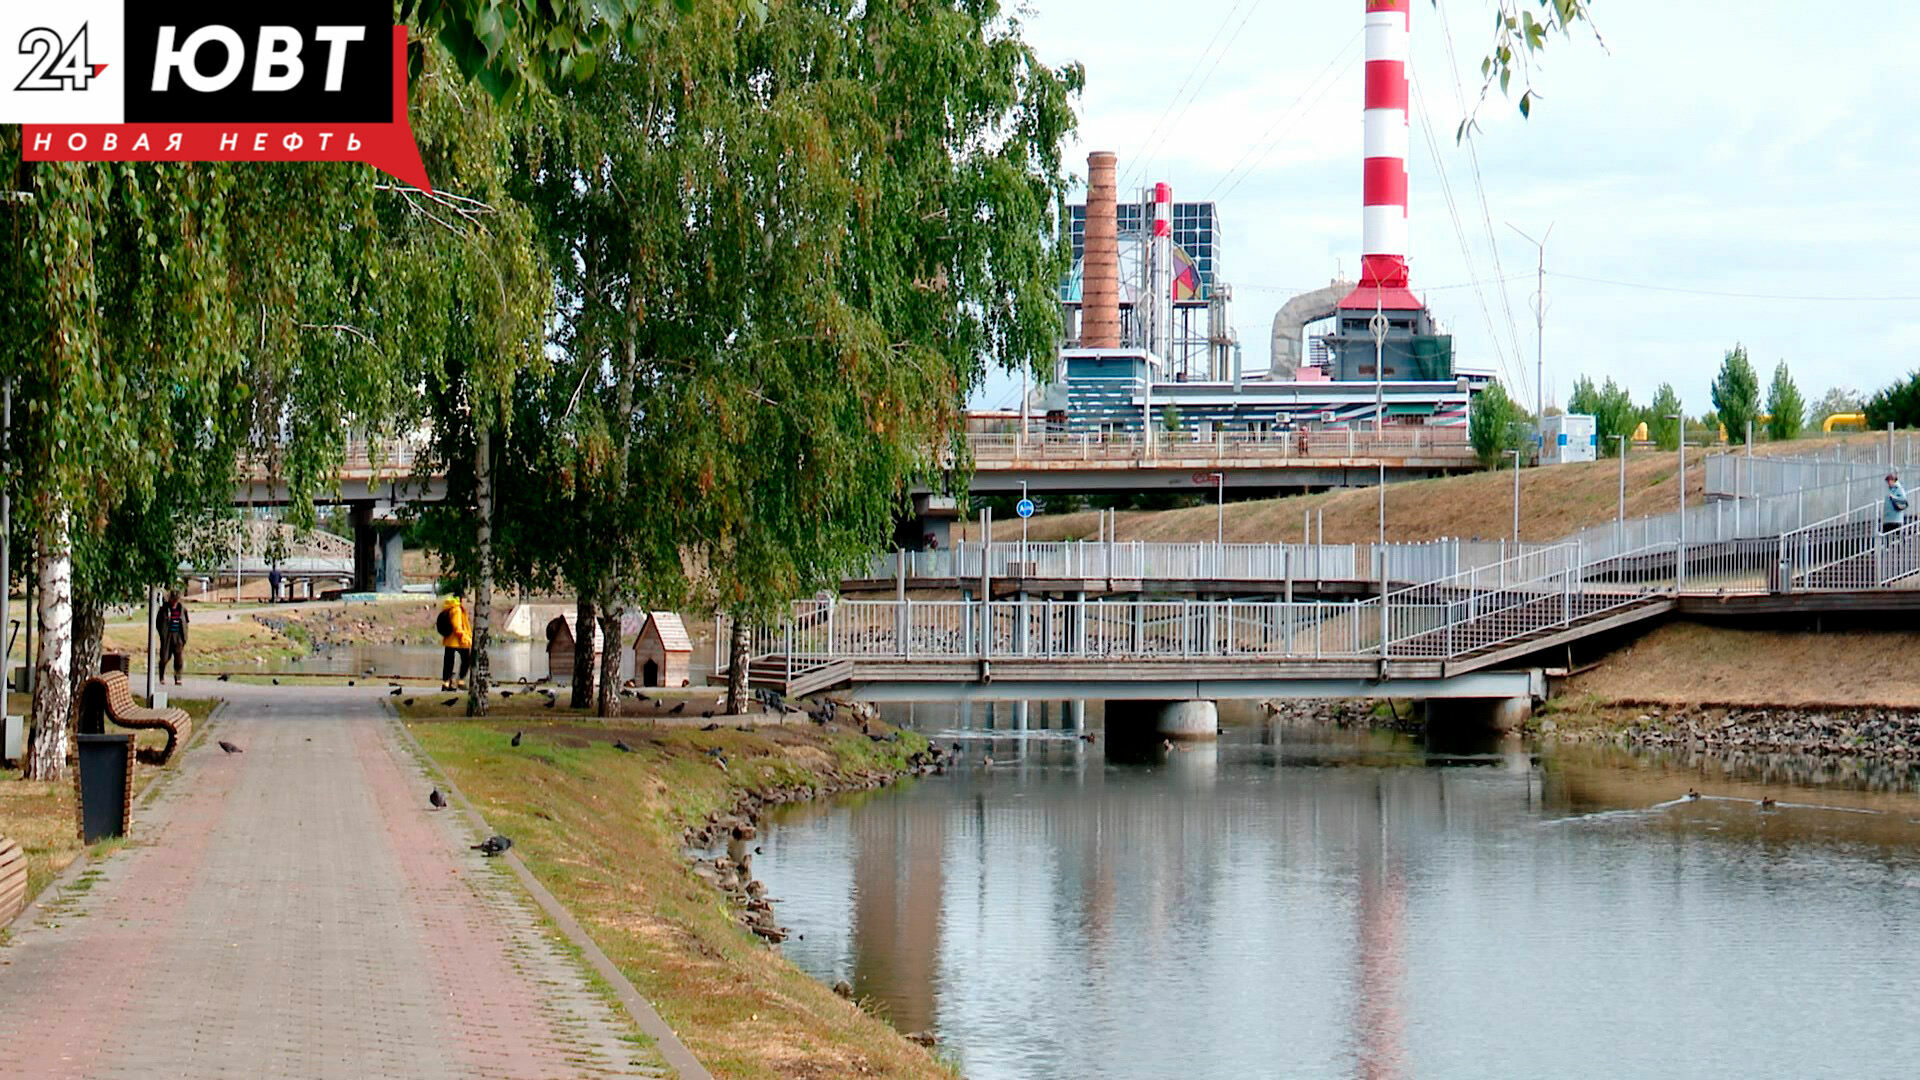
1458 635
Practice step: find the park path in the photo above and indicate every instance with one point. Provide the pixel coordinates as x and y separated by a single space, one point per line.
296 910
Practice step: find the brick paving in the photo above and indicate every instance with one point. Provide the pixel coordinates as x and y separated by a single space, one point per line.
297 911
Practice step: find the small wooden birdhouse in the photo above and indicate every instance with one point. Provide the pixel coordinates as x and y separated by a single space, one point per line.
663 651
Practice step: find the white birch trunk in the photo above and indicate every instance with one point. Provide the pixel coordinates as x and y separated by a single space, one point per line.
52 690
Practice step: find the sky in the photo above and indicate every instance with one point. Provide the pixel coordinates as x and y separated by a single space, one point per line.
1713 173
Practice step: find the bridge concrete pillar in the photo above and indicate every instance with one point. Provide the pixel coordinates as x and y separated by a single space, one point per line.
1077 715
360 516
391 576
1148 722
1469 716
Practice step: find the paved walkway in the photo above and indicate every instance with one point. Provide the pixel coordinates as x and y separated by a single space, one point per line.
296 910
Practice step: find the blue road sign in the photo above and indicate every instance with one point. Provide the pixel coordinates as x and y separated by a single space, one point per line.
1024 508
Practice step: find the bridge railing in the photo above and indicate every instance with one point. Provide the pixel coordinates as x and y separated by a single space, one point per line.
1152 561
998 449
1848 551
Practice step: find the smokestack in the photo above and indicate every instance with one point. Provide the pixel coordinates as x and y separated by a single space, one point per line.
1383 247
1162 299
1100 261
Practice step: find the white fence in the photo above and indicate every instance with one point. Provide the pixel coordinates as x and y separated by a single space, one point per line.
1082 560
998 449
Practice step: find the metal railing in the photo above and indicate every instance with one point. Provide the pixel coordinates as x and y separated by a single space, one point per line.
997 449
1086 560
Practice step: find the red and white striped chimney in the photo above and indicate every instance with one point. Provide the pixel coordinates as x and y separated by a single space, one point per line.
1383 242
1161 341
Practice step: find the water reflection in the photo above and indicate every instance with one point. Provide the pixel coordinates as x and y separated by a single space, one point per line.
1295 903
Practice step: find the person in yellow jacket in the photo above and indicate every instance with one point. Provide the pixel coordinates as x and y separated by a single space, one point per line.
456 640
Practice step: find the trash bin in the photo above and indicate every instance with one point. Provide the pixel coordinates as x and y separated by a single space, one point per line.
106 786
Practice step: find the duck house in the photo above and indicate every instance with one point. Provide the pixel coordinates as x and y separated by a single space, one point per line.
663 651
560 641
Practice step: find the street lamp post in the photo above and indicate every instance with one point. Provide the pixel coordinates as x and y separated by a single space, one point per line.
1620 513
1515 455
1378 324
1383 506
1220 512
1680 555
1539 323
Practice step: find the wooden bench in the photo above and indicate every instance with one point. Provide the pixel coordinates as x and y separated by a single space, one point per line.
13 880
107 697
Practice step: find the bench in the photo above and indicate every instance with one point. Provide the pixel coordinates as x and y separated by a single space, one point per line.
107 697
13 880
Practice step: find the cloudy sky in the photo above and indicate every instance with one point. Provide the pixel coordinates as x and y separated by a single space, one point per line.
1716 173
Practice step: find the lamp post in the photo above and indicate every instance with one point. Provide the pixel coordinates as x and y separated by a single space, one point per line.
1378 324
1539 322
1220 512
1620 513
1680 555
1515 455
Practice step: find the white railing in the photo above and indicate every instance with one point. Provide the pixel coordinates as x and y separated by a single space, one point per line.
1086 560
998 449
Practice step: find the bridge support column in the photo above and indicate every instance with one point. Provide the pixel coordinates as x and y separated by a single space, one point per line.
391 577
1477 716
1077 715
1152 721
360 515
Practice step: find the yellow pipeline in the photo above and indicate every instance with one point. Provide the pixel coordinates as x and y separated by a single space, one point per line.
1848 418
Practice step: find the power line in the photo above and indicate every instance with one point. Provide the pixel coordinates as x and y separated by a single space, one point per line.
1459 228
1732 295
1480 188
1256 153
1139 160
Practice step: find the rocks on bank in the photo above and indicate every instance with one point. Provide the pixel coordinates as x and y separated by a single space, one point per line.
1877 732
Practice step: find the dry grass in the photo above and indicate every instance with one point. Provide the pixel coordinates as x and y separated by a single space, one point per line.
40 814
1689 664
210 647
1554 502
602 830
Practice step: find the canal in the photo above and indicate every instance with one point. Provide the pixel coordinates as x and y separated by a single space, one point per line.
1305 902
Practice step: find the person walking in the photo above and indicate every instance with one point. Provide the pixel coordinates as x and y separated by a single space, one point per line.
171 625
456 641
273 584
1893 512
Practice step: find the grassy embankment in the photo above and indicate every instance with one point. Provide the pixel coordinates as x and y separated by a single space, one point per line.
40 814
1554 502
602 829
1689 665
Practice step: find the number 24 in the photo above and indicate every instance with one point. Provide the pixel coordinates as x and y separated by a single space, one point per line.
57 65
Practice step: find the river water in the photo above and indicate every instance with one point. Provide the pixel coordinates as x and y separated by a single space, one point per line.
1306 903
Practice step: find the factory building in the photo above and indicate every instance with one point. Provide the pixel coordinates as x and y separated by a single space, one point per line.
1150 343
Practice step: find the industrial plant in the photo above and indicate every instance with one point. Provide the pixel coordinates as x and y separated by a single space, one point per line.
1150 346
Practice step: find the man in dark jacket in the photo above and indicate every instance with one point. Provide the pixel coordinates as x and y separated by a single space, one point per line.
171 625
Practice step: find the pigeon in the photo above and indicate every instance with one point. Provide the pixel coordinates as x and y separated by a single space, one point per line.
506 693
516 739
276 682
451 701
407 701
349 682
549 703
395 692
621 746
759 851
706 714
230 748
638 696
493 845
710 727
226 678
678 707
436 800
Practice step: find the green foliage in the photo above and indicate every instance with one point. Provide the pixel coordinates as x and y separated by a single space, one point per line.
1897 404
1736 395
1170 419
1665 432
1786 411
1521 29
511 45
1611 407
1495 424
1837 400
